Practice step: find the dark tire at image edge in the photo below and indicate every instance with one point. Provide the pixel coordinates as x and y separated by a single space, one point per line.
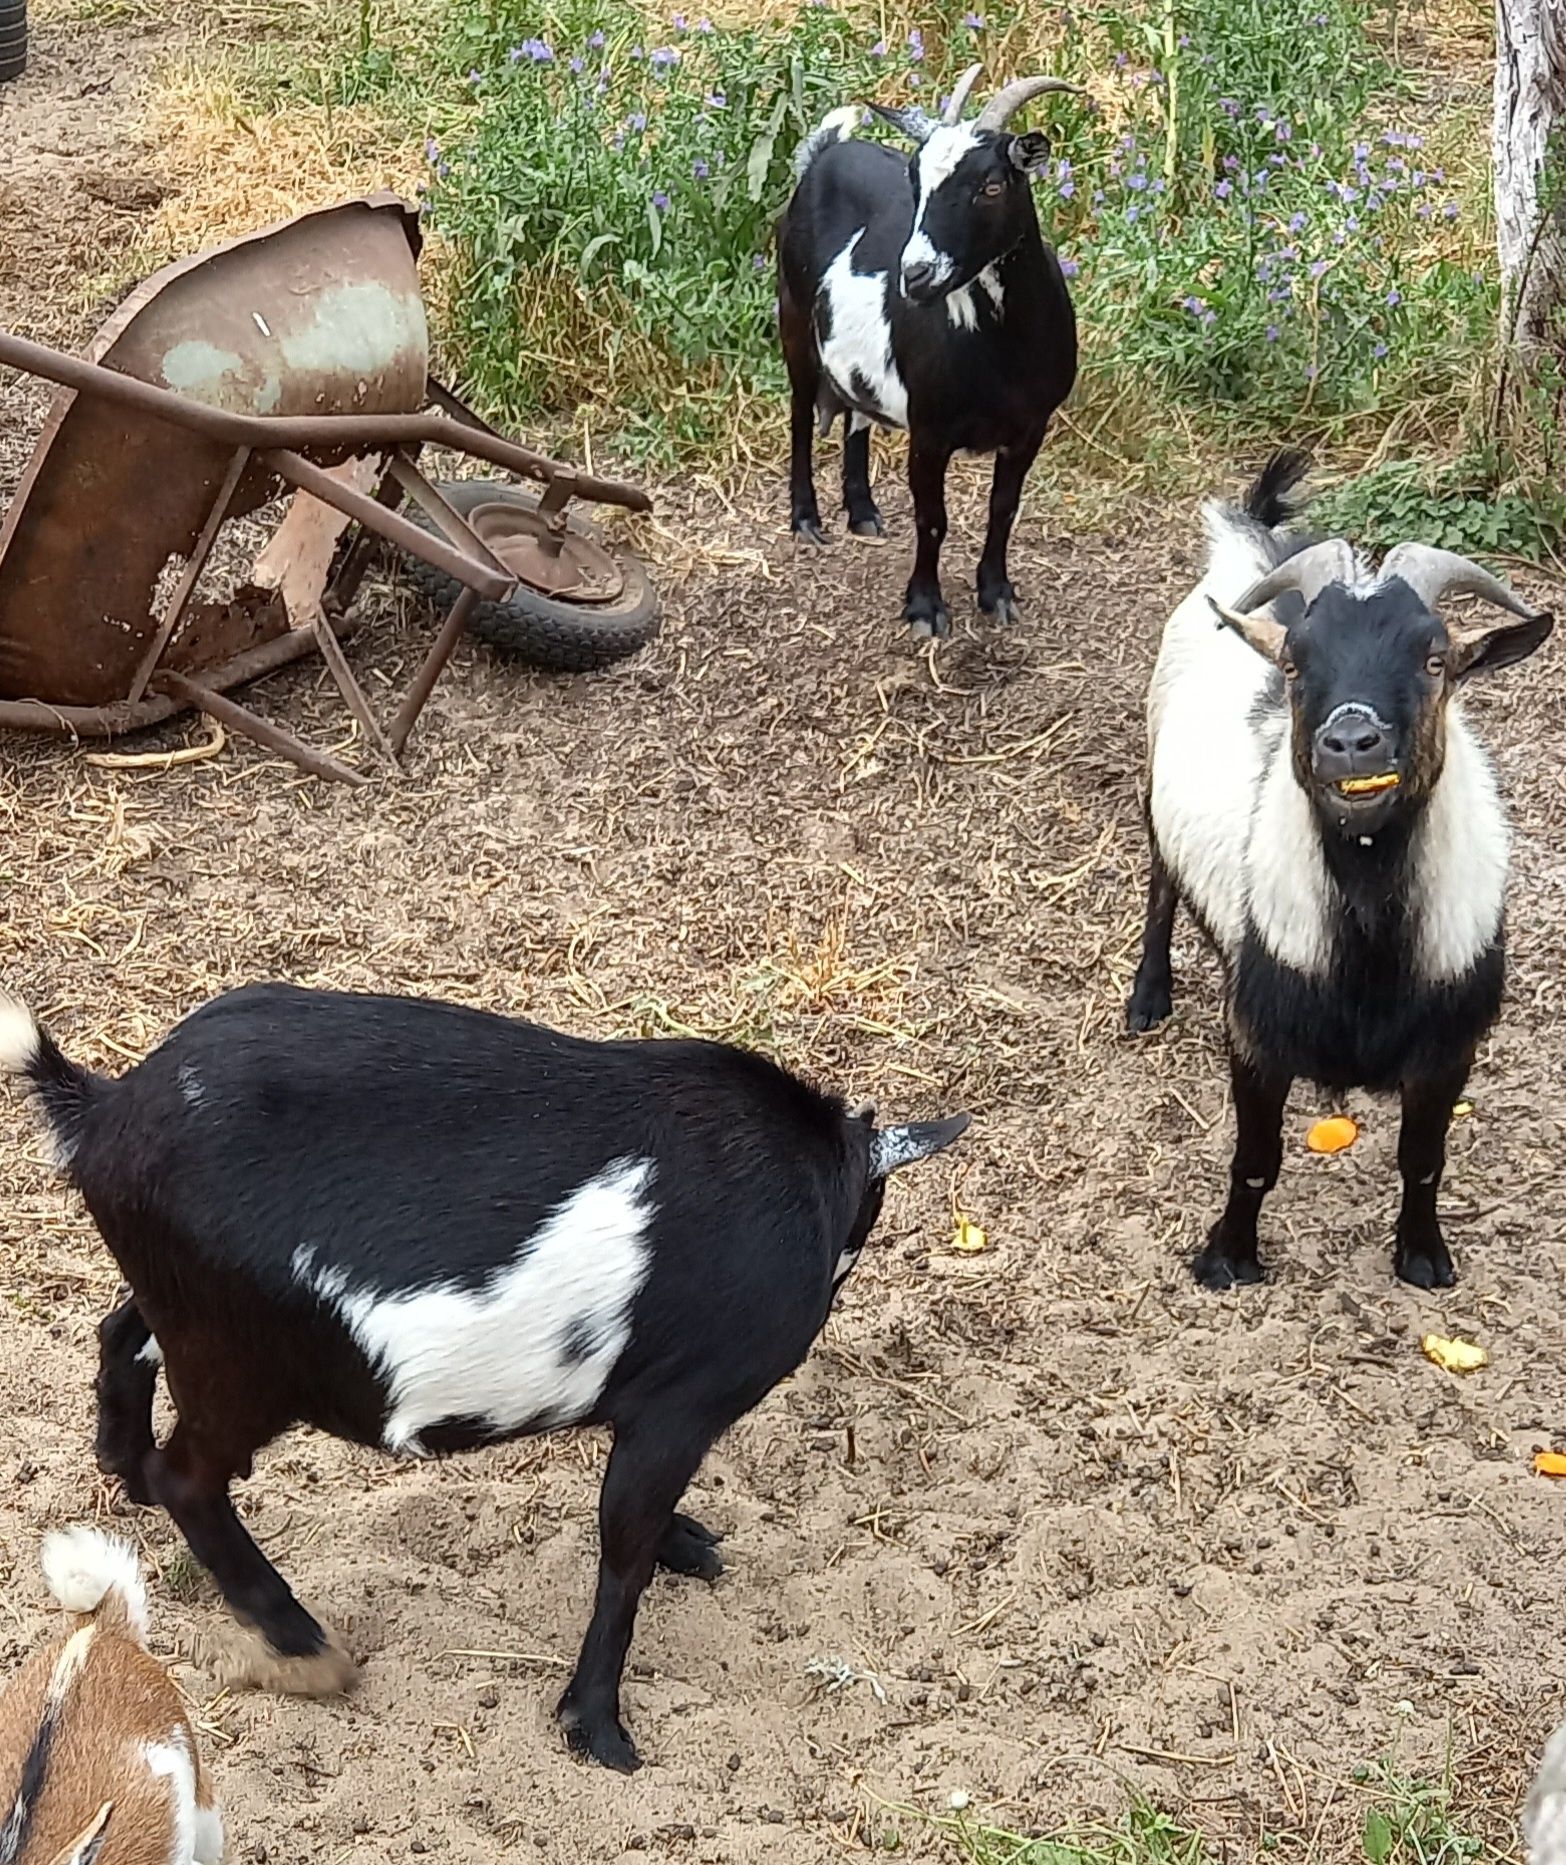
560 637
13 39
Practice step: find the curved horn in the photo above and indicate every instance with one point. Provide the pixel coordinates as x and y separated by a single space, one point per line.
1309 571
953 112
1005 104
909 119
1432 574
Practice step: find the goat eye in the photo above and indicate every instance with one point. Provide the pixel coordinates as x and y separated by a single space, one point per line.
1290 671
1436 666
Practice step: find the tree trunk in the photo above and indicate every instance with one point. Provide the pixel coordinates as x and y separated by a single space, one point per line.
1530 204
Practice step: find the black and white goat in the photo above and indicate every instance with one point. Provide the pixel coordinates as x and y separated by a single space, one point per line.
427 1228
1319 804
921 295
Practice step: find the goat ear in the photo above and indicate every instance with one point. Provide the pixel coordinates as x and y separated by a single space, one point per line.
1498 642
895 1147
908 119
1258 631
1030 152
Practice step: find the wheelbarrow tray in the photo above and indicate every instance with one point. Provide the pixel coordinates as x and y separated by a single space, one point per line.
294 361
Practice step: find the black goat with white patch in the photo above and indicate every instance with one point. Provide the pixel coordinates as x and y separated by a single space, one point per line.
428 1228
1319 804
921 295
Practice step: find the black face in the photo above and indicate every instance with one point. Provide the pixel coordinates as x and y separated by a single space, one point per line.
972 206
1367 681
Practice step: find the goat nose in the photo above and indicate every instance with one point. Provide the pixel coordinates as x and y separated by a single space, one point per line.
917 278
1353 743
1354 736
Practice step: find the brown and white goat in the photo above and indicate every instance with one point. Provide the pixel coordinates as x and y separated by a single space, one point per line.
98 1760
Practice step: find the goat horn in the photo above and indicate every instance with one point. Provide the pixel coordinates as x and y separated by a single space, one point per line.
953 111
1005 104
908 119
1432 574
1308 571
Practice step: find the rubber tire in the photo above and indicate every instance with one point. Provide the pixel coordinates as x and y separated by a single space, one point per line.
561 637
13 39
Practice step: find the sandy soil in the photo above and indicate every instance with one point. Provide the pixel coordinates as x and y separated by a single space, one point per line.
1068 1527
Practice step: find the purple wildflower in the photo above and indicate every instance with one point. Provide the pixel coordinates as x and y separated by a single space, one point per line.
878 50
1379 351
1184 42
432 151
663 56
637 121
758 262
660 200
1136 180
1272 333
475 77
1069 268
1122 59
596 43
1318 268
1133 212
973 21
1223 190
680 23
704 25
1296 223
1450 211
578 65
700 169
1394 296
716 100
916 44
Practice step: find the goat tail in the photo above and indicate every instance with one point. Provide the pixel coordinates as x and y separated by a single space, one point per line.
837 126
1544 1815
98 1575
1273 499
63 1089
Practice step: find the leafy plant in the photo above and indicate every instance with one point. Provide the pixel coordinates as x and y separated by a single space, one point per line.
1467 506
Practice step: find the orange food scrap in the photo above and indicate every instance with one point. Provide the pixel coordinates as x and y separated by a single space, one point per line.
1334 1135
1549 1463
1455 1356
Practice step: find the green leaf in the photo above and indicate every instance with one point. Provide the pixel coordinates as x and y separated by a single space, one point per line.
655 228
595 246
1379 1838
759 165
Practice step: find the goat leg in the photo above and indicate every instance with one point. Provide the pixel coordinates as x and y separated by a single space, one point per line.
127 1380
924 608
1421 1256
997 598
649 1467
294 1652
1152 995
864 520
688 1548
804 375
1230 1256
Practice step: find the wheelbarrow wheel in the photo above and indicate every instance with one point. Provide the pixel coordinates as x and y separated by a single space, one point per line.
13 39
544 631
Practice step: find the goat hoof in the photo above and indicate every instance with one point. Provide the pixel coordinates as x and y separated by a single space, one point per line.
928 620
1147 1007
598 1738
1001 607
688 1548
867 525
1218 1268
810 531
1424 1268
133 1485
240 1658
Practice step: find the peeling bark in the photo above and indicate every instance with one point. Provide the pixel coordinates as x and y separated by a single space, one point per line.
1530 101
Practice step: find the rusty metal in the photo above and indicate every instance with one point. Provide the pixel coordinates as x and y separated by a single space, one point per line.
434 664
291 363
236 718
560 563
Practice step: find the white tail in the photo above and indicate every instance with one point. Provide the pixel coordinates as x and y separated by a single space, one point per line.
18 1035
83 1566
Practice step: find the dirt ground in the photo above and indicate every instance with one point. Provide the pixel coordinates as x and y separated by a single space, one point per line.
1044 1524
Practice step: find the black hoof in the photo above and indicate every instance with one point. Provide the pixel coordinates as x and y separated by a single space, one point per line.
810 531
927 617
1000 605
688 1548
1217 1269
1425 1269
132 1482
1148 1006
867 524
599 1738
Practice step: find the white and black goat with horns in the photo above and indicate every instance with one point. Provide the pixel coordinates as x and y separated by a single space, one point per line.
1319 804
920 295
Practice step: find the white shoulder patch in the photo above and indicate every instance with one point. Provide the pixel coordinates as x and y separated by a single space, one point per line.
1289 891
857 354
1460 860
173 1762
535 1344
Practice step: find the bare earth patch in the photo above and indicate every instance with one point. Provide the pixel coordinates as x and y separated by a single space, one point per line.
1086 1528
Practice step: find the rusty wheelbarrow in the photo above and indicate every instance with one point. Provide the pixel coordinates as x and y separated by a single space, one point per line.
287 371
